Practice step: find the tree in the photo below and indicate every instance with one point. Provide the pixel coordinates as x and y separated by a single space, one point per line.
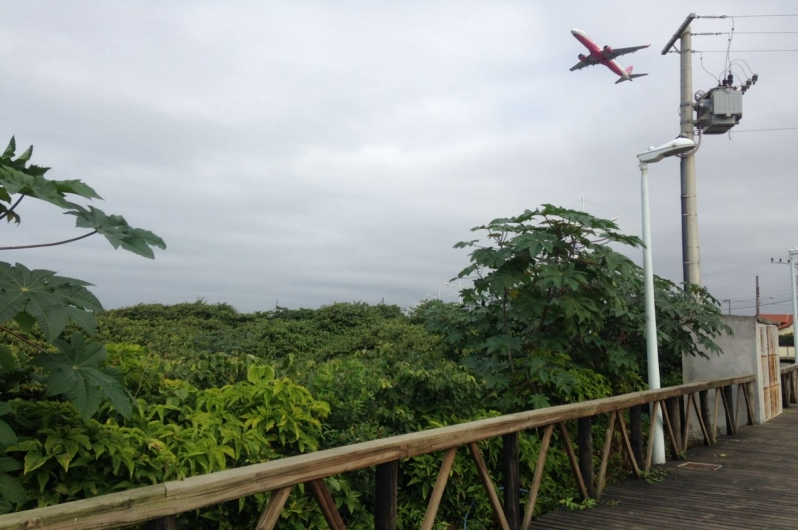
60 365
556 314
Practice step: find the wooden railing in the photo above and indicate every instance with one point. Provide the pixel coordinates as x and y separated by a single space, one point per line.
160 503
789 384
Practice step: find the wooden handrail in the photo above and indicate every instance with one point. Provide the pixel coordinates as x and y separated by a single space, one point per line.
789 368
169 498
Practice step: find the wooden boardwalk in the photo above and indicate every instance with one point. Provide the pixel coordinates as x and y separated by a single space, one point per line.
756 487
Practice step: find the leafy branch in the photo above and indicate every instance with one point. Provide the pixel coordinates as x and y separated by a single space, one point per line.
40 298
41 245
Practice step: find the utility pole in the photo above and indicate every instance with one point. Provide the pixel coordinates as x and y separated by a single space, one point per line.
794 285
691 260
757 295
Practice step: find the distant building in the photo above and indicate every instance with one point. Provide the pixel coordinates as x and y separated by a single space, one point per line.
785 327
784 322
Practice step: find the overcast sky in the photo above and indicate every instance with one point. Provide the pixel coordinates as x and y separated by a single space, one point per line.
305 153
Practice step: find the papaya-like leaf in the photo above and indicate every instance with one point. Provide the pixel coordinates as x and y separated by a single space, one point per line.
10 150
53 301
17 177
75 187
7 363
26 321
76 373
24 157
15 180
117 231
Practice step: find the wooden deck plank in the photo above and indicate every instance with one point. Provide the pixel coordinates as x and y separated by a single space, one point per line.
754 488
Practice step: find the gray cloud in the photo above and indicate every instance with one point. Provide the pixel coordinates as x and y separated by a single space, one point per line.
313 152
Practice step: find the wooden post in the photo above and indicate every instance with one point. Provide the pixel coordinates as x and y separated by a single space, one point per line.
437 491
537 479
605 454
512 480
566 442
794 397
683 404
636 433
731 426
385 505
629 453
785 396
165 523
749 401
326 503
490 488
585 434
268 519
674 414
703 398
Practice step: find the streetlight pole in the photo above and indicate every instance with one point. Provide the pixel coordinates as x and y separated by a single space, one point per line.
793 253
652 353
674 147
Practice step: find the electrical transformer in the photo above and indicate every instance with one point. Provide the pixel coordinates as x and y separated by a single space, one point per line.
720 109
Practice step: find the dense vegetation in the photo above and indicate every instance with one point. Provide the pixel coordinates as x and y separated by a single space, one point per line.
153 393
352 372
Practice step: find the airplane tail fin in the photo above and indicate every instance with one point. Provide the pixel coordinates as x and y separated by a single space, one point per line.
629 69
631 76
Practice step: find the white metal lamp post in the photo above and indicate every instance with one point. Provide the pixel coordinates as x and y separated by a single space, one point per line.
793 252
674 147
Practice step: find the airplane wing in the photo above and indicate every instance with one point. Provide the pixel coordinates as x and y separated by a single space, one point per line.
617 52
587 61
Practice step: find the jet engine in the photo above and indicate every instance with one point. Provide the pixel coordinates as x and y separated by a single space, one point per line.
581 56
608 49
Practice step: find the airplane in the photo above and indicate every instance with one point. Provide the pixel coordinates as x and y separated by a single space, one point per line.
605 56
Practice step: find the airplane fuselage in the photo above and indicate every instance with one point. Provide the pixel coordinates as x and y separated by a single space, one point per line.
597 52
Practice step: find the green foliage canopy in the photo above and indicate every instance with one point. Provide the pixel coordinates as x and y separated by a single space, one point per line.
555 310
31 299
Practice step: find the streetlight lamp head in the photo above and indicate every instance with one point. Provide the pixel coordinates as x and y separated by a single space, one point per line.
679 146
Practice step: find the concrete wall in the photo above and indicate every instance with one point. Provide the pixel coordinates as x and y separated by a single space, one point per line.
741 356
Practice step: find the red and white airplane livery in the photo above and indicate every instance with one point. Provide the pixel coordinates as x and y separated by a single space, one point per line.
605 56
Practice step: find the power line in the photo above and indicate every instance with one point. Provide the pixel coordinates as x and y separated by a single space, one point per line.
739 51
754 16
716 33
766 303
766 130
738 268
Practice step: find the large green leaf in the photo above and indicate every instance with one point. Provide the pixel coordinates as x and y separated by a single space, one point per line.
117 231
12 147
8 463
76 373
16 181
51 300
17 177
7 435
11 489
